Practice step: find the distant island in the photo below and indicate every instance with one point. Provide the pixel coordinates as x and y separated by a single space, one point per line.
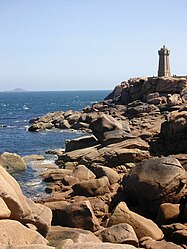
18 90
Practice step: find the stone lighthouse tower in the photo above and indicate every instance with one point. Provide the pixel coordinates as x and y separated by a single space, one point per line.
163 67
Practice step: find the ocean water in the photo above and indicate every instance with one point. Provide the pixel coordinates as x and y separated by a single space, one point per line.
17 108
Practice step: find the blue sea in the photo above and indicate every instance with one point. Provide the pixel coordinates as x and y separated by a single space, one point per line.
17 108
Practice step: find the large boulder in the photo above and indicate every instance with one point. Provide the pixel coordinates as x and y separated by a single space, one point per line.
105 123
142 226
41 217
12 195
93 187
164 85
12 162
130 150
116 93
83 173
80 143
34 246
138 108
101 171
15 234
77 215
155 181
150 243
121 233
168 213
98 246
40 126
57 234
176 232
174 133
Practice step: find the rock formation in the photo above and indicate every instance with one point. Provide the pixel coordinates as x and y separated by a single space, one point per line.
124 186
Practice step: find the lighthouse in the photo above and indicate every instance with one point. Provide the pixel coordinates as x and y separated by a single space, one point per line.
164 67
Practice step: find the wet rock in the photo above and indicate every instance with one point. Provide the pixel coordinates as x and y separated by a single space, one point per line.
30 158
64 124
155 181
40 126
142 226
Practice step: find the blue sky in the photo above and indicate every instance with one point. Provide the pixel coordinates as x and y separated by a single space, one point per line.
88 44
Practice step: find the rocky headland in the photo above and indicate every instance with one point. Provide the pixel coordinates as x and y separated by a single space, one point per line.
120 185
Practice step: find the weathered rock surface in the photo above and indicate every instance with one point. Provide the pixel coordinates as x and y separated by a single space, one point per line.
168 213
58 234
174 133
143 227
150 243
92 187
80 143
101 171
12 195
33 157
31 247
131 150
105 123
98 246
121 234
41 217
83 173
77 215
142 118
4 210
176 232
14 233
155 181
12 162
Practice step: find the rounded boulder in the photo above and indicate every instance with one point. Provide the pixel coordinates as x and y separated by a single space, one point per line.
155 181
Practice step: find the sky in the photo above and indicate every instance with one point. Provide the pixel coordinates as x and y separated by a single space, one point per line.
88 44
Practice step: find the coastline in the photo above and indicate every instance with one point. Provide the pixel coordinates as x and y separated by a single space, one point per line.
129 168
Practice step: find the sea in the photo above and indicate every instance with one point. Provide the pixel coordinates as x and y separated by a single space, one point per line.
17 108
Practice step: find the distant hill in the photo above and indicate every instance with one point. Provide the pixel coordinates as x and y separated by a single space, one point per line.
18 90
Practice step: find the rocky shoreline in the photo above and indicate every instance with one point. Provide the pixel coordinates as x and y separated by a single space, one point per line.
121 186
